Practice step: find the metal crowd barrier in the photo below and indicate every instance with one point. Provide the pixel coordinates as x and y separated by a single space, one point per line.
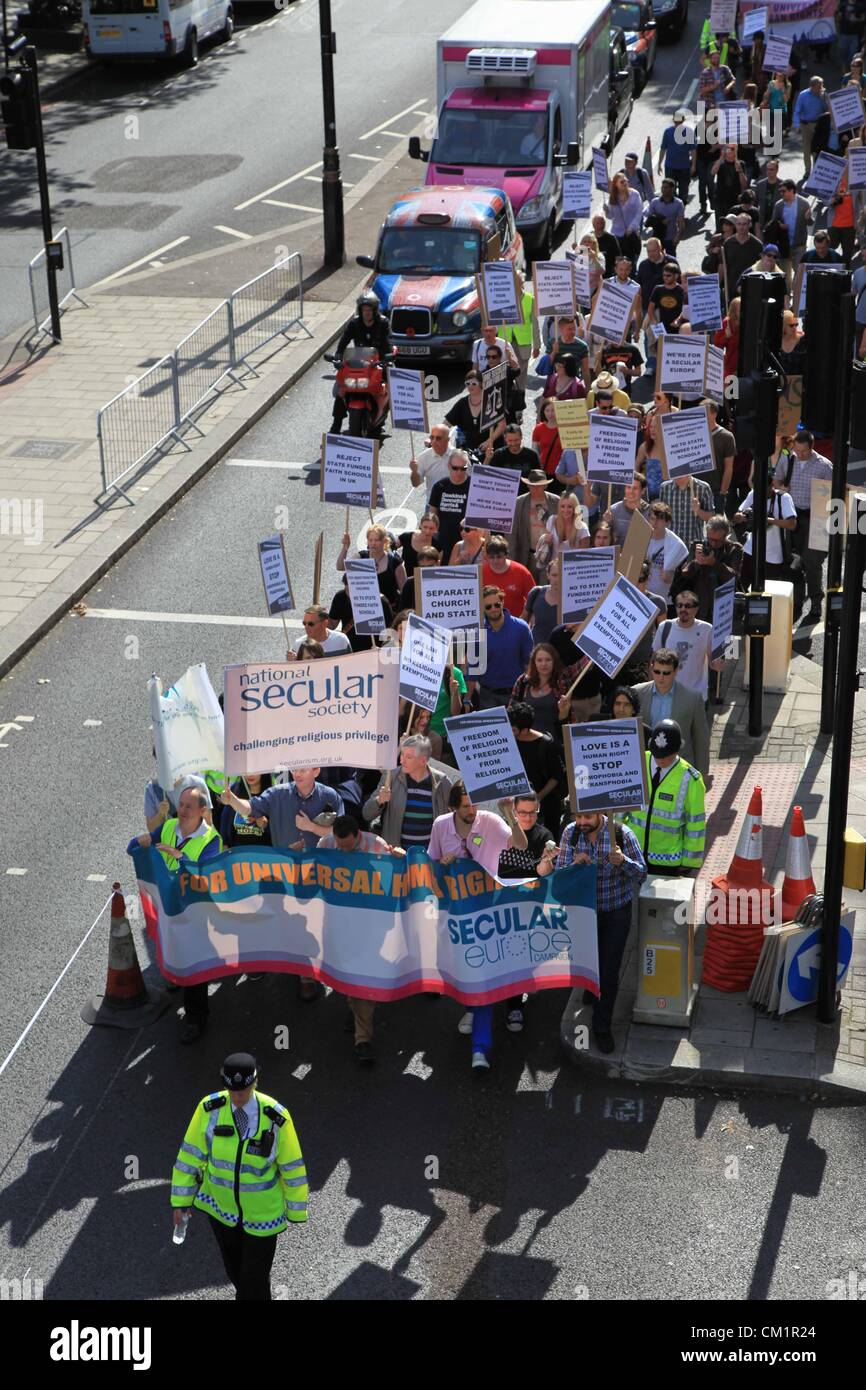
42 317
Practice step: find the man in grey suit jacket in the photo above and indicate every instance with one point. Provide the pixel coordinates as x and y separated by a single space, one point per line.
795 214
674 701
520 547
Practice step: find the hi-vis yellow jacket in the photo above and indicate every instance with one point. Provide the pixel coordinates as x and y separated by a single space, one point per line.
259 1181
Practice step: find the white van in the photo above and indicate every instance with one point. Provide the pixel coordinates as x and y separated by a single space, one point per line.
126 30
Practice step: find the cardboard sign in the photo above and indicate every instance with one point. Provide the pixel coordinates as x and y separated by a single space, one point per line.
615 626
846 109
856 169
450 596
822 492
801 280
777 53
493 387
790 406
350 469
486 752
612 448
572 422
732 122
612 311
826 175
492 498
275 575
408 401
580 269
554 287
723 617
599 169
637 539
365 597
687 445
576 193
423 658
714 376
584 576
339 711
705 303
606 763
723 16
499 293
755 22
682 362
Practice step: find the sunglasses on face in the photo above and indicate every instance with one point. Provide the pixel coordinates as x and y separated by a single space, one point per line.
684 607
311 622
492 607
662 670
457 467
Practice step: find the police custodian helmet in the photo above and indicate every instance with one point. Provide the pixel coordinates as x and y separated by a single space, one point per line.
239 1070
666 738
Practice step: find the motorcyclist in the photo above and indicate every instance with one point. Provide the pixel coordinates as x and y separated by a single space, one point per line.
369 328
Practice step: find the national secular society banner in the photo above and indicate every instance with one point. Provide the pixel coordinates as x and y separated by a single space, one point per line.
374 926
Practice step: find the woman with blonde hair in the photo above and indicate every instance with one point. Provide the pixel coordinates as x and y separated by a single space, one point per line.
566 529
589 244
625 210
389 566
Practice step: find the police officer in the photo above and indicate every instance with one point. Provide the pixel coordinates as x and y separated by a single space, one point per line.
241 1163
369 328
671 831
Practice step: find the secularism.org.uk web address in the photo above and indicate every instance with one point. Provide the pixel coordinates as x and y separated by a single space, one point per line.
743 1354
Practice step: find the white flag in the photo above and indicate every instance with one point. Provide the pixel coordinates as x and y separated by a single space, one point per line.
187 726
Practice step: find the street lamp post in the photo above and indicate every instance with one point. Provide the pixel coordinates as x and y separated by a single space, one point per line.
332 184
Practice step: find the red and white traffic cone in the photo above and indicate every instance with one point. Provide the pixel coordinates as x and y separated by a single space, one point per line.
739 908
127 1002
798 883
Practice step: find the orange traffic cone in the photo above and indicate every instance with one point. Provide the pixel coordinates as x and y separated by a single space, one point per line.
739 908
798 882
127 1002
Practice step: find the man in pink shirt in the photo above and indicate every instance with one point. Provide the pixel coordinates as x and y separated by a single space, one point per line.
467 833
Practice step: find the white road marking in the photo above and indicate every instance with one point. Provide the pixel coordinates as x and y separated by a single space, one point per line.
143 260
96 878
263 463
239 207
16 871
686 65
92 723
687 100
295 207
134 615
391 119
24 718
370 158
394 134
230 231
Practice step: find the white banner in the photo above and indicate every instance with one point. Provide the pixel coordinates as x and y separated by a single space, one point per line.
275 575
777 53
755 22
612 448
423 658
687 445
846 109
554 287
486 753
492 498
187 726
826 175
732 118
365 597
580 267
599 169
449 595
723 617
408 402
500 293
614 628
723 16
576 193
714 377
349 470
856 169
585 574
606 766
705 303
682 362
612 311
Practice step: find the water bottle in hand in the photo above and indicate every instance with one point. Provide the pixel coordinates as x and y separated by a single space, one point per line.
180 1230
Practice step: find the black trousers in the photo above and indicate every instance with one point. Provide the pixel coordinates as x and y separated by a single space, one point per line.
247 1261
195 1003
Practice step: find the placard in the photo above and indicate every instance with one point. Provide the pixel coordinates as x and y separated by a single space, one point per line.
723 617
846 109
801 279
492 498
714 376
350 470
486 753
681 365
821 493
572 422
449 595
554 287
499 293
599 169
826 175
408 401
856 168
637 539
365 597
612 448
687 445
612 311
705 303
580 268
584 576
732 122
275 575
494 382
423 658
606 763
576 193
616 625
723 16
755 22
777 53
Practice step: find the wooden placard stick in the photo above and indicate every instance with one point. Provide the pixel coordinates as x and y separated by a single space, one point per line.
579 677
317 567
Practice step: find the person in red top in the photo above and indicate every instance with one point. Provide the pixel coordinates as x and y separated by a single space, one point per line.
842 225
545 439
513 579
728 337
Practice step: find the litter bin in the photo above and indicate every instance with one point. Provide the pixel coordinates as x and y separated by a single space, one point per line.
666 952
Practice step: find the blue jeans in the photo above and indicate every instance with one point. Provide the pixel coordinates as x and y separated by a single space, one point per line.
482 1028
613 930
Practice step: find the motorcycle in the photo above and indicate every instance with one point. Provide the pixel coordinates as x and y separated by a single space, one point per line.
360 374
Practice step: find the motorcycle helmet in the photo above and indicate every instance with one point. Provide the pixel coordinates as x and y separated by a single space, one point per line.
368 299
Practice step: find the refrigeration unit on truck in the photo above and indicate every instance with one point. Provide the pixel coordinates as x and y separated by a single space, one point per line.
521 91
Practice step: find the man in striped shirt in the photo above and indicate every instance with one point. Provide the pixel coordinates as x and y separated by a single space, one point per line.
410 799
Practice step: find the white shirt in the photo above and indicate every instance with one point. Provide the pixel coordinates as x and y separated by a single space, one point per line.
774 535
664 556
581 531
333 645
479 353
433 467
694 647
251 1110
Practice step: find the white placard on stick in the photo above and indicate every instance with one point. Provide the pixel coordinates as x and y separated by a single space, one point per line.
755 22
616 625
723 617
576 193
705 303
846 109
714 377
365 597
494 382
450 596
599 169
275 575
723 16
732 118
612 448
499 293
349 470
687 445
856 169
554 287
582 287
492 498
612 311
486 752
423 658
682 361
584 576
826 175
607 768
820 494
801 280
777 52
408 401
